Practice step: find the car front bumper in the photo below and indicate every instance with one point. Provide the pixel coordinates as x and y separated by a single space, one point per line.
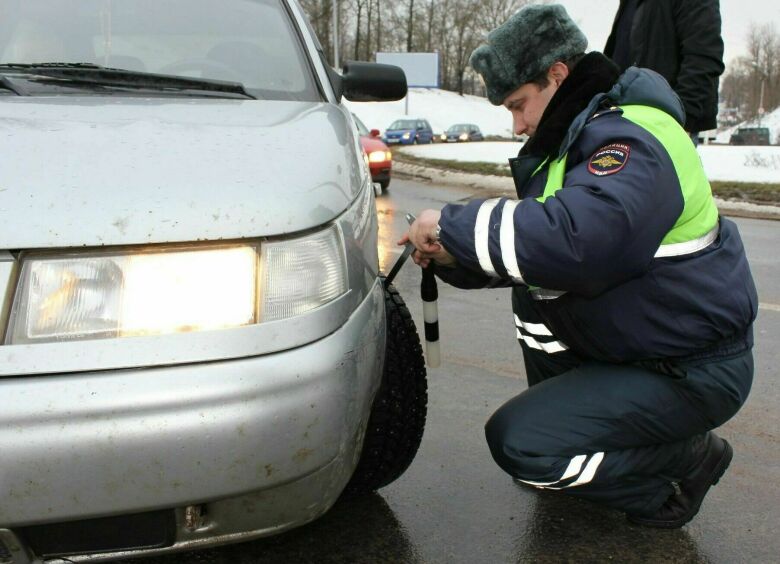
262 444
381 172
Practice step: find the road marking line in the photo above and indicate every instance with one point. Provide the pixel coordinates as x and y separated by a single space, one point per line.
770 307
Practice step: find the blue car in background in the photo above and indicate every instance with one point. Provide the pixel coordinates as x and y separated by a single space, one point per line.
408 132
462 132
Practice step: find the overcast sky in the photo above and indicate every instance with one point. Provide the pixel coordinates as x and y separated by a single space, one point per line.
595 18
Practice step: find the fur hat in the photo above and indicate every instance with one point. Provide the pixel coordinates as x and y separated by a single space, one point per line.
524 46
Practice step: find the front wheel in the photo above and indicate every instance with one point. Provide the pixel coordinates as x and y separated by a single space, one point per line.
397 420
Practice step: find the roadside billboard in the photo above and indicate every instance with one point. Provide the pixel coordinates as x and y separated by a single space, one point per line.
422 69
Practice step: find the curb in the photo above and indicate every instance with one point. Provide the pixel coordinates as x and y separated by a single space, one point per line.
497 186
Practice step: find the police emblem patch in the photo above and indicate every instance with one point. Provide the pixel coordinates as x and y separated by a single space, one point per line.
609 159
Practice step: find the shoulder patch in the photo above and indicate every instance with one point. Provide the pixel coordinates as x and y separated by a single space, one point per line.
609 159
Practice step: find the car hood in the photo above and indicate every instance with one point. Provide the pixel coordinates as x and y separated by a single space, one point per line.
117 171
372 144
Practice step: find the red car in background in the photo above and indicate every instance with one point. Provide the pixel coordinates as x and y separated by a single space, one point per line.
380 159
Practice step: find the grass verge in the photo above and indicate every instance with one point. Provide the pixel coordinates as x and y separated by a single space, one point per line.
754 192
461 166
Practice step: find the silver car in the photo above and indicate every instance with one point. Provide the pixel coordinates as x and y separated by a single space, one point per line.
197 346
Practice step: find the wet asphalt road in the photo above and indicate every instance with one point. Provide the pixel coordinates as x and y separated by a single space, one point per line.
455 505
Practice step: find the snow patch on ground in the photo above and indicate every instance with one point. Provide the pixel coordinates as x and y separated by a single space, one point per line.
488 186
721 162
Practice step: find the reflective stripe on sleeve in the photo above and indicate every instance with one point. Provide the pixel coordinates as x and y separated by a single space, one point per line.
482 236
688 247
507 239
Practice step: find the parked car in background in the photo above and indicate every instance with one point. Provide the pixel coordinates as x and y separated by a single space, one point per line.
197 346
380 159
462 132
408 132
750 136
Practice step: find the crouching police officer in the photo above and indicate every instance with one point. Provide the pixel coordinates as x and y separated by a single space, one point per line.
633 300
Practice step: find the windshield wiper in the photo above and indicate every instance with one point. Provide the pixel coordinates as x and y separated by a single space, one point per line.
6 83
90 74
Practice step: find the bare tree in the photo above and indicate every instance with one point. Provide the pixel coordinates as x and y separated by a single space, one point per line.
359 5
430 12
369 14
378 26
320 14
492 13
453 28
466 39
753 81
410 27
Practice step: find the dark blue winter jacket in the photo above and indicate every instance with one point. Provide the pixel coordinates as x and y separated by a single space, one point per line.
615 244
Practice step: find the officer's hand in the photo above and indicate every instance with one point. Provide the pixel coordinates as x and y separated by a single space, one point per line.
422 234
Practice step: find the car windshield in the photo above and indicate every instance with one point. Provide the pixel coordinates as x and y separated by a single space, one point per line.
459 127
252 42
362 129
404 124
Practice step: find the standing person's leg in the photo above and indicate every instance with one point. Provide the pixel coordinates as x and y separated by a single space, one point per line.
618 434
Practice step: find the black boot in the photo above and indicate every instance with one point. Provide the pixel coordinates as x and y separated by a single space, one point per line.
684 504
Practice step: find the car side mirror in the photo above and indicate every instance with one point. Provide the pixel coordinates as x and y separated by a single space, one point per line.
371 82
374 133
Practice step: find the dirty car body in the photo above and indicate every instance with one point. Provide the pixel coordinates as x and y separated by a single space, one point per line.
193 322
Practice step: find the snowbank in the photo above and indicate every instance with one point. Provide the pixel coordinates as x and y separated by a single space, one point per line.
440 107
721 162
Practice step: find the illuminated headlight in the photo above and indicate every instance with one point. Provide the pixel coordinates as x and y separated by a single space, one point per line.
463 137
443 136
379 156
406 135
104 295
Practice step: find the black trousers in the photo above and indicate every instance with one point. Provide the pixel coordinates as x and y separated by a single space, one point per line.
619 435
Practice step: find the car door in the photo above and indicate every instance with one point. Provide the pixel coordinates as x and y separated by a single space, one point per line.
425 131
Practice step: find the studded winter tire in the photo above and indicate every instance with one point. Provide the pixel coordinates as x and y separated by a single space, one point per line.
395 427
